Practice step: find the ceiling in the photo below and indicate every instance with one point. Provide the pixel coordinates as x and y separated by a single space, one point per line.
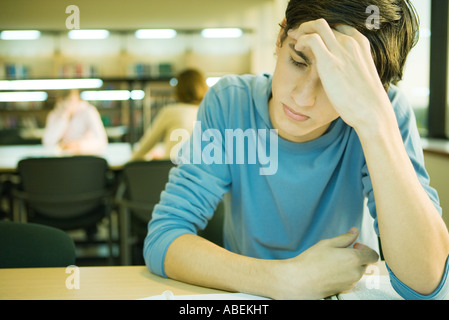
131 14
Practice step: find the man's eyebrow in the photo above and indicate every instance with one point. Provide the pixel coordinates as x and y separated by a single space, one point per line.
299 53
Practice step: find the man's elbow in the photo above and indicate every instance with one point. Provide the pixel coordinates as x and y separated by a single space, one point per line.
428 281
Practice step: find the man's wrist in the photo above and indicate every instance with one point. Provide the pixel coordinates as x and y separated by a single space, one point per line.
374 128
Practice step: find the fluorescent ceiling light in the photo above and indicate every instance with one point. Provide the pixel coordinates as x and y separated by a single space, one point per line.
222 33
50 84
23 96
137 94
155 33
20 35
112 95
88 34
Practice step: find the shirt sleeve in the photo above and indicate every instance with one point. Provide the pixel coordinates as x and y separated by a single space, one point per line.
440 293
95 140
193 192
412 142
56 124
153 136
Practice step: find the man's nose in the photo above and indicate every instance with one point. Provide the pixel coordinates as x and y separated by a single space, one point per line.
305 92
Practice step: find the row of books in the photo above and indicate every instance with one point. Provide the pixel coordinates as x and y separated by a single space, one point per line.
16 71
156 70
80 70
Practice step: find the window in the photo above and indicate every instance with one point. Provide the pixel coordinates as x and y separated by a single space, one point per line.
415 83
438 84
425 79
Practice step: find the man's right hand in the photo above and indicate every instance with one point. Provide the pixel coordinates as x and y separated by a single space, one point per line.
329 267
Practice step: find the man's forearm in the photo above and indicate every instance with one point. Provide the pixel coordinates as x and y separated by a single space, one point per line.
195 260
414 238
321 271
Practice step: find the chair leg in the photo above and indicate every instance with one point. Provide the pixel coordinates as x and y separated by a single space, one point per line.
110 247
18 211
124 226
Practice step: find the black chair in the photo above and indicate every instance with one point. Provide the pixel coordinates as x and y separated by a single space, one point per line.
68 193
29 245
139 191
5 188
214 229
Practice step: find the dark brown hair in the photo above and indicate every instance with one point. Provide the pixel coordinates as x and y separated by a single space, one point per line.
396 35
191 86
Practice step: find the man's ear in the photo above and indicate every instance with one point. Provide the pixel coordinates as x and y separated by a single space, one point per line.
284 23
280 35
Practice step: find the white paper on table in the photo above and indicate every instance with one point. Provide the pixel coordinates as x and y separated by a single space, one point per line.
168 295
371 287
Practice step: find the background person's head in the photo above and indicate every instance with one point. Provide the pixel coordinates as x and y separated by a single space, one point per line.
191 86
391 42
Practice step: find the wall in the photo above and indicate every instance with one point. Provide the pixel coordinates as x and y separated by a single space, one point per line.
438 168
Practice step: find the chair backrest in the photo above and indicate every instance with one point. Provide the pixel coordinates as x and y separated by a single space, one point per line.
144 182
75 184
214 229
29 245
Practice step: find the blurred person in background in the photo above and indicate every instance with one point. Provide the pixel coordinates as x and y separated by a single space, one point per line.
190 90
74 126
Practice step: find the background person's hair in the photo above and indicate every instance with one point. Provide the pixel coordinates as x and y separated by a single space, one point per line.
191 86
390 43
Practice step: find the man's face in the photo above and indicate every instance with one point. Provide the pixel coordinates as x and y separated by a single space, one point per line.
299 107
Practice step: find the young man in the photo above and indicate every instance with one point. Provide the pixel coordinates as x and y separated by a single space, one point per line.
345 134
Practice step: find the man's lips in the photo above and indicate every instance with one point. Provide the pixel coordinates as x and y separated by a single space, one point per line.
296 116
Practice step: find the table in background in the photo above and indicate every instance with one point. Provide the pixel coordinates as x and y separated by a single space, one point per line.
117 154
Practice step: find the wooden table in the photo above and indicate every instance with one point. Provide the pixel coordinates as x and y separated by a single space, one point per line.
95 283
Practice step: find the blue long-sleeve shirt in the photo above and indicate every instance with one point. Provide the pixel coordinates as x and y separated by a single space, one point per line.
283 196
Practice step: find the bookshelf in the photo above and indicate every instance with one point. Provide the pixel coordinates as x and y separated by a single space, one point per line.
123 63
124 120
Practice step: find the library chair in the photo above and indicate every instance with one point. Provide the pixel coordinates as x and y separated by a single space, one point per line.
138 192
69 193
29 245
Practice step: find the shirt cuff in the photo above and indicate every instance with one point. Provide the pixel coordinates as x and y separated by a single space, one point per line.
440 293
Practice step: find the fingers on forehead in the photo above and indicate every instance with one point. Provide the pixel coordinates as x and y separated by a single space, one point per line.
319 26
352 32
331 35
314 42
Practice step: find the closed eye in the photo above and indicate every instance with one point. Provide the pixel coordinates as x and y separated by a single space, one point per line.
297 63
